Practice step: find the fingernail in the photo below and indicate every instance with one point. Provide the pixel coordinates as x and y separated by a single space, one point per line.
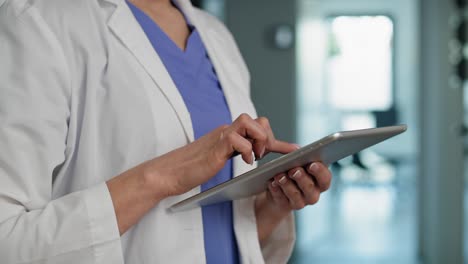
283 180
274 184
296 174
313 167
262 153
297 146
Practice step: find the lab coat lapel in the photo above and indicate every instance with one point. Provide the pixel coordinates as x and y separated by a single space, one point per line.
237 100
216 51
126 28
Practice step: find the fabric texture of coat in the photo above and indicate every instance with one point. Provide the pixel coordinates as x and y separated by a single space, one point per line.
83 98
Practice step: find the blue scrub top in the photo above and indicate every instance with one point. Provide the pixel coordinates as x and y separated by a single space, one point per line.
195 77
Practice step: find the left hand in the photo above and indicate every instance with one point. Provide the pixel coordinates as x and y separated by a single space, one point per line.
298 187
289 191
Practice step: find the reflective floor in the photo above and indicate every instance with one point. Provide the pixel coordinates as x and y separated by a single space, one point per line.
363 218
466 205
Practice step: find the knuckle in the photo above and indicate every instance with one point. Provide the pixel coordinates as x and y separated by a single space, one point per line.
309 186
243 118
223 132
263 137
301 205
296 195
231 137
314 198
263 120
325 184
298 205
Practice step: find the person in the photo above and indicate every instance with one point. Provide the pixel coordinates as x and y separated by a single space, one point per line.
112 111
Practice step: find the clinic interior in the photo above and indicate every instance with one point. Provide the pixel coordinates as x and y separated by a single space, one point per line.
319 66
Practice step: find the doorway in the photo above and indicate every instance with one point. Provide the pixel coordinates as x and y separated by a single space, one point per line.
356 64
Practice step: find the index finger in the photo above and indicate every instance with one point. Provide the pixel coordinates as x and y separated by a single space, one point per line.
245 126
283 147
274 145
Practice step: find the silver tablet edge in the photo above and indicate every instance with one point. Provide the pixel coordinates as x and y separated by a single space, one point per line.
398 129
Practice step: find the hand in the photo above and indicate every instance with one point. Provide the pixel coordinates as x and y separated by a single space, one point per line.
299 187
289 191
187 167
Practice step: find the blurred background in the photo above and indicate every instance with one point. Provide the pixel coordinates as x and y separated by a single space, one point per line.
319 66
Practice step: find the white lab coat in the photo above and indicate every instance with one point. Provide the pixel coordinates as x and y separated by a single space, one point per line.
84 97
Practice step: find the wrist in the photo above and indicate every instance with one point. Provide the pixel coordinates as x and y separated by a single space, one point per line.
268 216
153 182
265 206
133 195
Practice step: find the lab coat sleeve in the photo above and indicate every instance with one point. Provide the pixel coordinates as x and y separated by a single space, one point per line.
35 100
230 47
279 245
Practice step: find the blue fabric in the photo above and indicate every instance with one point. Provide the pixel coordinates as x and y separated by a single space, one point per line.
194 75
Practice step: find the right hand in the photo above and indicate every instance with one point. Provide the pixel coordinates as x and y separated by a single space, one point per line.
184 168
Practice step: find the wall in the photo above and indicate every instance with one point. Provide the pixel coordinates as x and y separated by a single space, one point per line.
273 71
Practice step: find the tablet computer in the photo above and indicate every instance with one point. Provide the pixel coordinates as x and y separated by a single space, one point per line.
327 150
